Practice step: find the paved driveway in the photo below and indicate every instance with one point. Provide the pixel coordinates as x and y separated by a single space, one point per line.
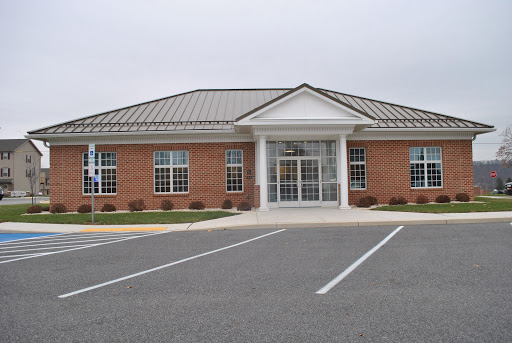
24 200
449 283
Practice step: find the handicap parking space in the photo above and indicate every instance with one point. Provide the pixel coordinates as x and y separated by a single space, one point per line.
17 247
6 237
424 283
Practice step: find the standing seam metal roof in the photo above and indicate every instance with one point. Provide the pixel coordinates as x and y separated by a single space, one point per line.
219 109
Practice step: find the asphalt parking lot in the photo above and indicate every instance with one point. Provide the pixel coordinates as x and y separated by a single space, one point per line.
436 283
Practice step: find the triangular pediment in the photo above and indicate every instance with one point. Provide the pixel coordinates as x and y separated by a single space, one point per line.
305 105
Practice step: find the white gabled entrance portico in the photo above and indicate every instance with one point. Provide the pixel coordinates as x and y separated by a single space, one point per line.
301 148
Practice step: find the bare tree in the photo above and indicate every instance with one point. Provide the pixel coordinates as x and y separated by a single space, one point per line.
33 178
504 153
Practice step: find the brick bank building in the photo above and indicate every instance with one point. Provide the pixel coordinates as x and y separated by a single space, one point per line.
300 147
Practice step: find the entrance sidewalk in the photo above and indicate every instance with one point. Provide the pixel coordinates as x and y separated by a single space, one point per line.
290 218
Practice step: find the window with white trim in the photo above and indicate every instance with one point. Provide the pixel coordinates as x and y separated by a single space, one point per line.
28 158
171 171
234 171
426 167
357 162
6 156
6 172
105 168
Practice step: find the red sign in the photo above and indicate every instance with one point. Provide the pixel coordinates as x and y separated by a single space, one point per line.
493 174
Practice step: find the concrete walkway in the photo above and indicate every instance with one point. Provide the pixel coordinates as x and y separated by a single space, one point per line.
290 218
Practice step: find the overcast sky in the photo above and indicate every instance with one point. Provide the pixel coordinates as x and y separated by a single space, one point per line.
61 60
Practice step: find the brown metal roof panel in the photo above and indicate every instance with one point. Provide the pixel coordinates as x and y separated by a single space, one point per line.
180 106
352 102
107 120
211 104
389 114
364 107
188 109
172 113
146 112
230 107
238 98
162 112
202 112
222 108
155 111
135 117
375 111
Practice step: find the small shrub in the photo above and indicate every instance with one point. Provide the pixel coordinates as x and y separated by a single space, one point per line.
196 205
422 199
443 199
166 205
372 200
58 208
35 209
108 208
136 205
244 206
462 197
364 202
393 201
227 204
402 200
85 208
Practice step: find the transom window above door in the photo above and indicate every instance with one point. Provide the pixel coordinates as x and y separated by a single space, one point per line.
298 148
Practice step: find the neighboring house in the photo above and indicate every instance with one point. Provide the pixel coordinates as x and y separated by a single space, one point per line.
44 181
19 160
298 147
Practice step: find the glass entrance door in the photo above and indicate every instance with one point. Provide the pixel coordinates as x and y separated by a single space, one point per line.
299 182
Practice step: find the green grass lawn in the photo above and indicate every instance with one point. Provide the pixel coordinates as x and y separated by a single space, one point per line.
488 205
13 213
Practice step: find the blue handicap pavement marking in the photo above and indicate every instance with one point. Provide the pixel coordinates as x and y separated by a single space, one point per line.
6 237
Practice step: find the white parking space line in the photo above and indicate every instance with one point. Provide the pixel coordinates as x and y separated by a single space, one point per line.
354 265
41 244
48 248
165 266
82 247
75 236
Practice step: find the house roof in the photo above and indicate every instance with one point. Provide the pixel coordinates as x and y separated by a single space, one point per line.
10 145
219 109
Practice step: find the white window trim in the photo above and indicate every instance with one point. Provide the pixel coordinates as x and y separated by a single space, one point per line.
6 169
171 166
358 163
85 172
425 162
234 165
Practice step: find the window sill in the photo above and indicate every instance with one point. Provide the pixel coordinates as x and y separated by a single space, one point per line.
170 194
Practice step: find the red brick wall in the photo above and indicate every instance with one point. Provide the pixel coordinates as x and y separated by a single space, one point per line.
388 170
388 173
207 175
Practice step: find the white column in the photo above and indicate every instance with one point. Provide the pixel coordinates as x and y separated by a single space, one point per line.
343 173
262 171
